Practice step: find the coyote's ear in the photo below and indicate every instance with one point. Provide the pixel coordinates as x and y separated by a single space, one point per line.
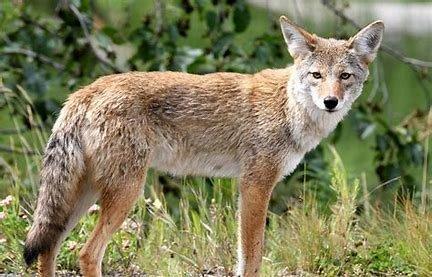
298 40
368 40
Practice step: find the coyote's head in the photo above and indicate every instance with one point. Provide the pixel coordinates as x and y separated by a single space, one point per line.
329 73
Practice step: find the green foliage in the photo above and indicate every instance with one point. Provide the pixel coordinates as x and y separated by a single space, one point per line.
397 148
381 259
241 16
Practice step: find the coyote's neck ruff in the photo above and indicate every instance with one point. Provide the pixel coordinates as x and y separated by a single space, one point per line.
254 127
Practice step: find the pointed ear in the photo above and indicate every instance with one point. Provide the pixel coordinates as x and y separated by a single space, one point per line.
299 41
367 41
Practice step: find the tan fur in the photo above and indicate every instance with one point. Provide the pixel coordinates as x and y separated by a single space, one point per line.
255 127
332 89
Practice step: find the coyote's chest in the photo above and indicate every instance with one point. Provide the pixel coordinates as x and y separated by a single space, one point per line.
290 163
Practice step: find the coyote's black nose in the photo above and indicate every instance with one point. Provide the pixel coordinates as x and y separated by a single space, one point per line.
330 102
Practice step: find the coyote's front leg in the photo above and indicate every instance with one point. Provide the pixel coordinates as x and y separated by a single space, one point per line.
256 186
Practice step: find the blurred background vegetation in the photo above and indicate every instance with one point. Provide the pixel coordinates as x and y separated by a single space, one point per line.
49 49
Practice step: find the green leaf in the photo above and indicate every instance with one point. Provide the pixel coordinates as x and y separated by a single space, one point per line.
222 44
114 34
184 57
382 143
201 4
211 20
241 18
202 65
416 153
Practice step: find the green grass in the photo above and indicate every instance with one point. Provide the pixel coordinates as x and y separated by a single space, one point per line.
198 235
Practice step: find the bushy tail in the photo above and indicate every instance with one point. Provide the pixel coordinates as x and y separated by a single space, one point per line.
62 169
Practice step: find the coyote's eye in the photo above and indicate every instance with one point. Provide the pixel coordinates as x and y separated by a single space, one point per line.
316 75
345 76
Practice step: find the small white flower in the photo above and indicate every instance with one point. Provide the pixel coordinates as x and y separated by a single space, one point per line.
148 200
94 208
72 245
129 225
7 201
157 204
22 215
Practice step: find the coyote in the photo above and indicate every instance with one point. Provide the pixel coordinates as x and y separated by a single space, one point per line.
254 127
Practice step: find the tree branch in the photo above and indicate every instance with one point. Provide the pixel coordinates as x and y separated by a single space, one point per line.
159 7
28 20
32 54
412 62
87 36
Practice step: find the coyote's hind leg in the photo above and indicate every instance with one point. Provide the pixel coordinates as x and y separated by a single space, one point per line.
119 166
116 202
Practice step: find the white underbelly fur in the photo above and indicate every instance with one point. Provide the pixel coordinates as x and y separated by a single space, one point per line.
201 164
169 160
